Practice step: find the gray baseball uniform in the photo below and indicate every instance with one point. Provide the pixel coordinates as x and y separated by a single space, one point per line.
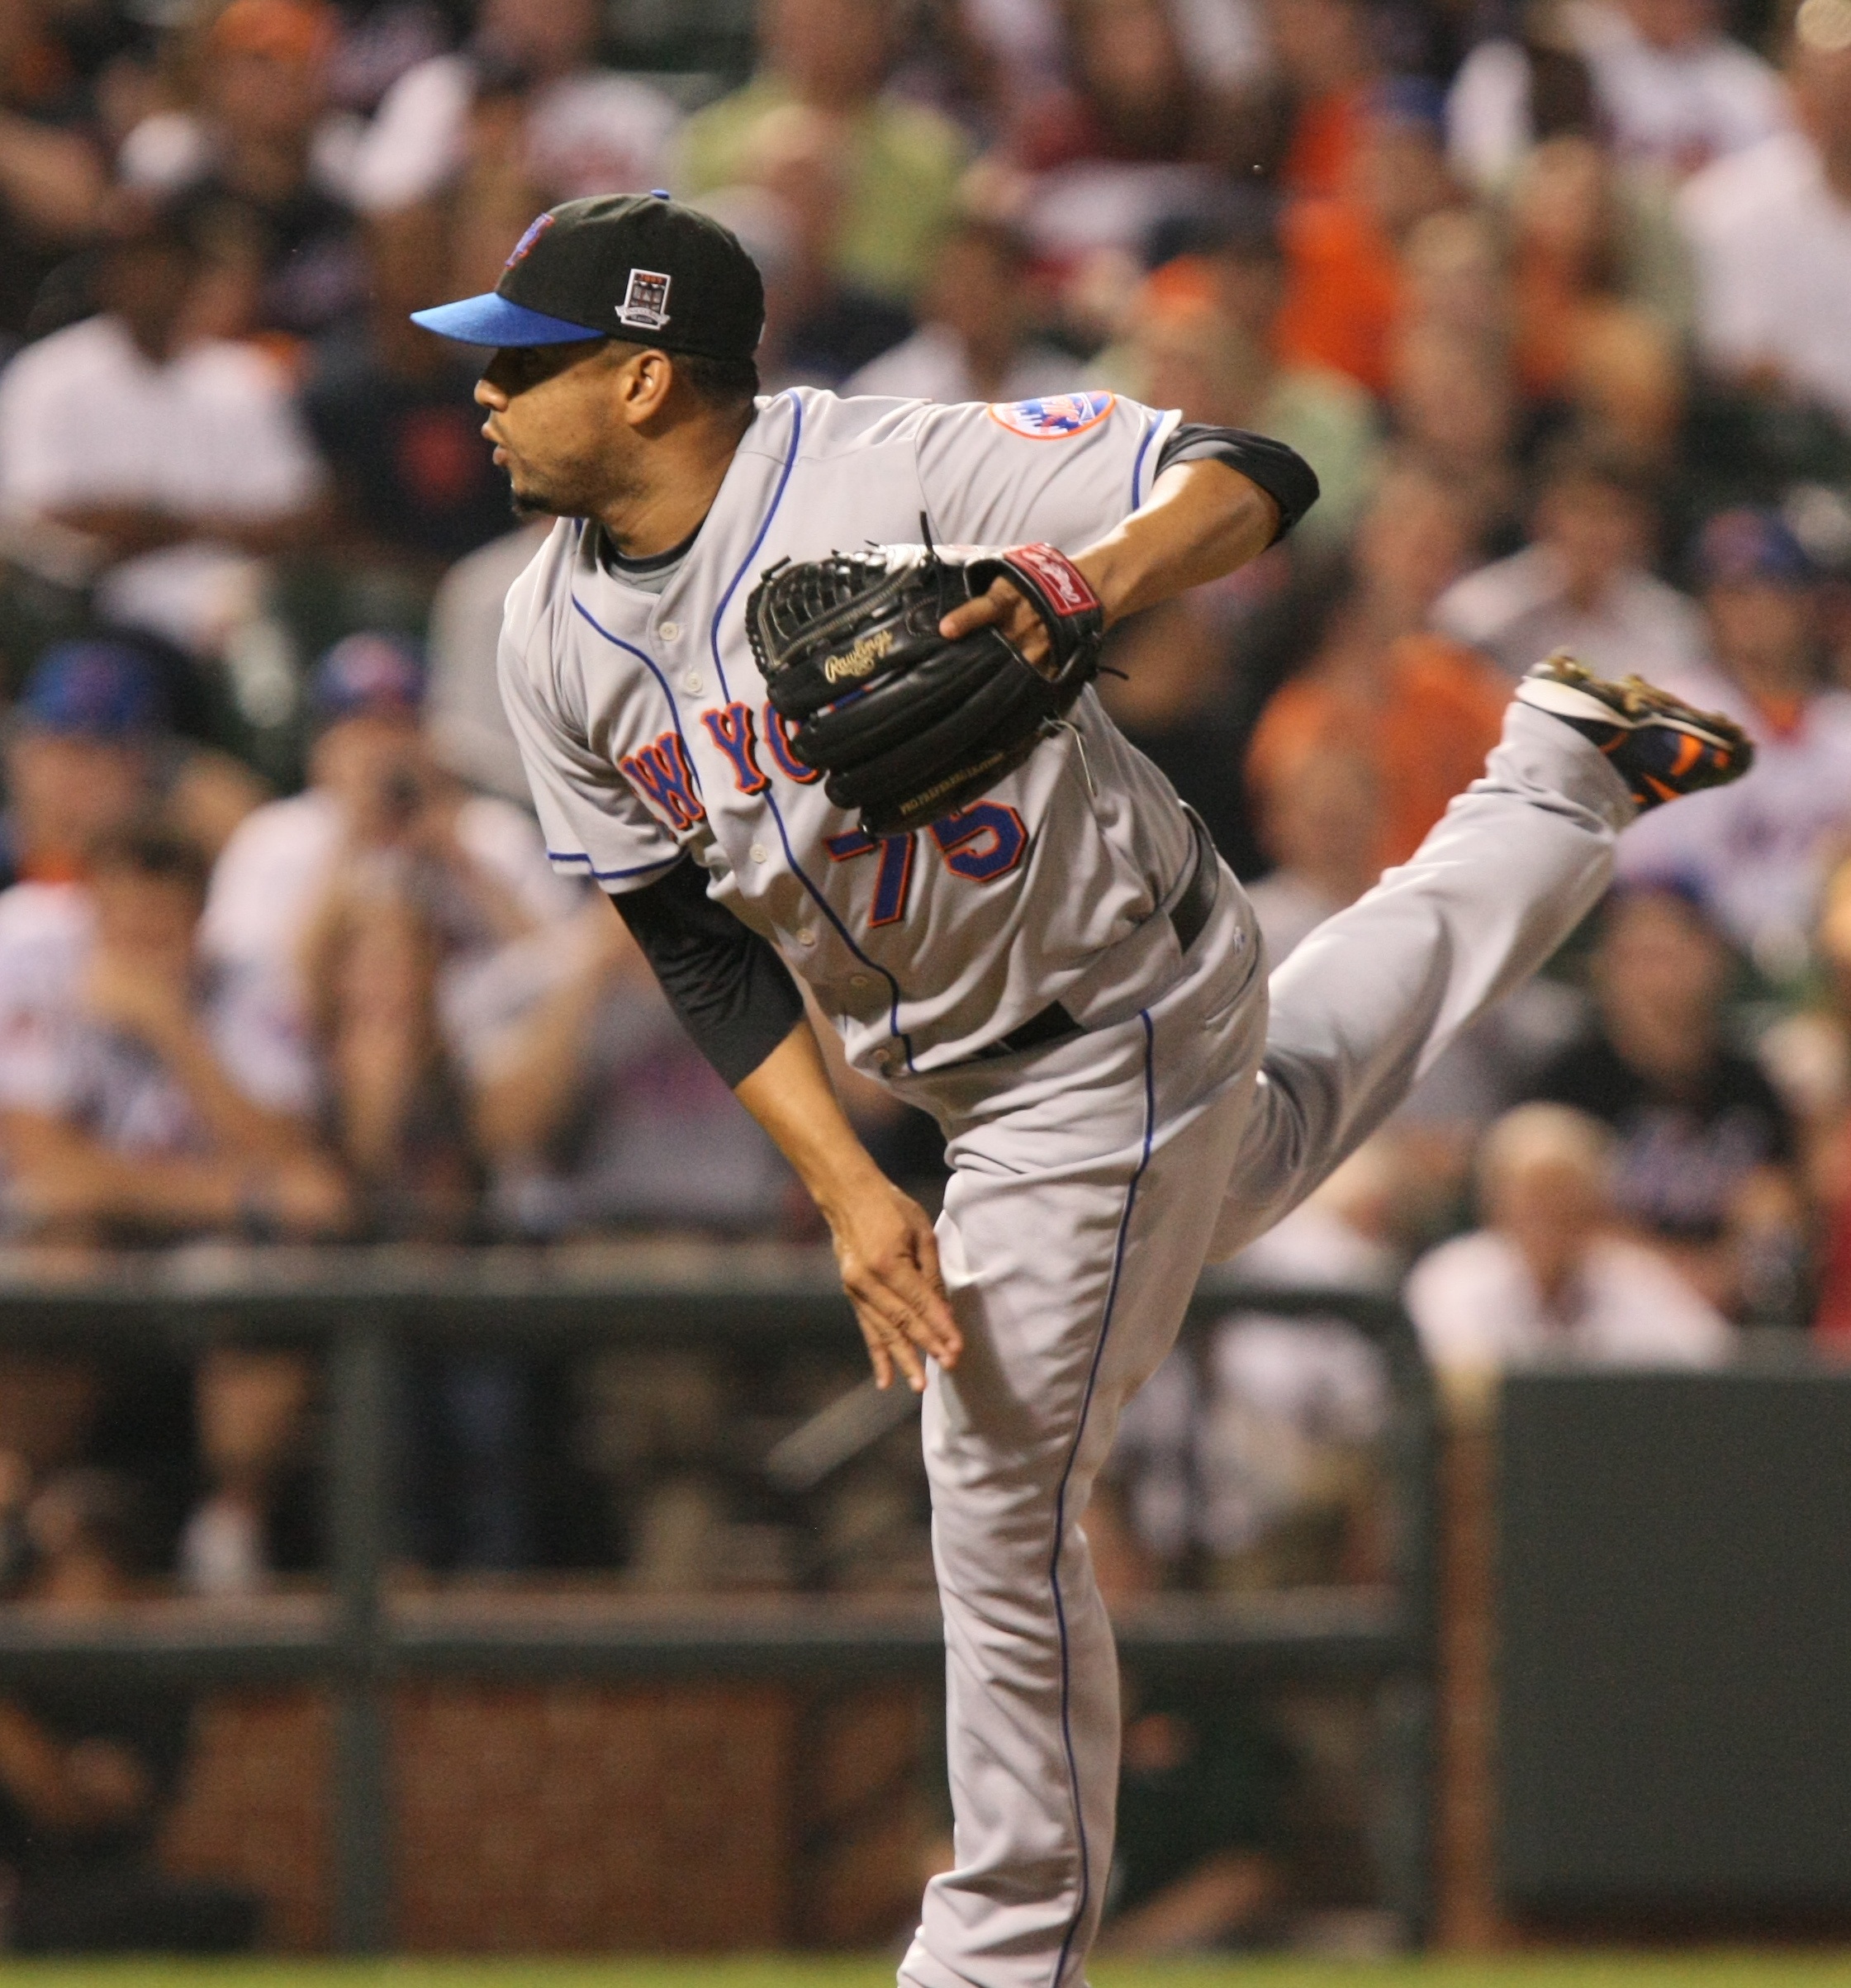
1091 1179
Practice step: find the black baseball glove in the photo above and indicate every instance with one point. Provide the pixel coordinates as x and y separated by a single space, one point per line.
909 727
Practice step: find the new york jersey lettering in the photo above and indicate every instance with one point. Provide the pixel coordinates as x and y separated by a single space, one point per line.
660 772
731 729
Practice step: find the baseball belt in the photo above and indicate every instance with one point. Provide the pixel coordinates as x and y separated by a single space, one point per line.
1188 916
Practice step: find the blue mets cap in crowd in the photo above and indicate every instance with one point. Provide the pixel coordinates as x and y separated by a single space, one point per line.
367 675
1747 548
94 688
636 266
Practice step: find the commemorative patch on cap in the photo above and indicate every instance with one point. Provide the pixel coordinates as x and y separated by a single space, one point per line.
645 302
1055 416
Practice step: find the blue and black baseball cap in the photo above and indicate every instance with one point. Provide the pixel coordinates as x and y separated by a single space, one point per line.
636 266
1747 548
367 675
94 688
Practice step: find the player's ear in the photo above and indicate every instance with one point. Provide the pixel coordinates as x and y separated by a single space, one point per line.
646 380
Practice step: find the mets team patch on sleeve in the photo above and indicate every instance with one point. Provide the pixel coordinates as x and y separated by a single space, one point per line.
1055 416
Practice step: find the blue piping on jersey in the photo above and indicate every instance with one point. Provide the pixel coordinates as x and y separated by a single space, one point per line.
797 870
778 498
578 856
1150 428
650 664
1085 1899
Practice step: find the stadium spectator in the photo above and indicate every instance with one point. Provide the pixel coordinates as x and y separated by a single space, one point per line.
1421 709
1705 1163
1457 273
129 1107
899 162
1549 1277
977 336
88 1770
1137 93
1452 407
595 1110
90 749
1584 583
394 1109
375 791
1318 825
1327 61
1346 289
1660 79
1584 346
822 324
397 1112
1759 861
265 164
258 1517
563 125
52 171
1770 229
389 407
129 449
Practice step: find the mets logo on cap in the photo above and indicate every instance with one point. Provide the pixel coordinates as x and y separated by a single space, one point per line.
535 229
1055 416
646 301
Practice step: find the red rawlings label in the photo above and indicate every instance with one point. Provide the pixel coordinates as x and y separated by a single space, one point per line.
1061 581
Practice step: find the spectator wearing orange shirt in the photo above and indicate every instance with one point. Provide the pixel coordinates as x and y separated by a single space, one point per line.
1420 710
1344 291
1325 55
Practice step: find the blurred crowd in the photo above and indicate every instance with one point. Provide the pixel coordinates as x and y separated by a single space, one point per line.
1555 297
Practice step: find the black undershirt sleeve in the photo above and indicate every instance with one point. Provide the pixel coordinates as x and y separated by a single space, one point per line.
1282 472
732 993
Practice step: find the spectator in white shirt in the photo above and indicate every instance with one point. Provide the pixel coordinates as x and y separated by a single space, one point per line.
583 129
1760 857
1770 230
376 790
127 444
128 1110
977 340
1582 585
1672 90
1546 1277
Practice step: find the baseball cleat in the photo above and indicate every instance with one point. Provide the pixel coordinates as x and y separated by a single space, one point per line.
1658 744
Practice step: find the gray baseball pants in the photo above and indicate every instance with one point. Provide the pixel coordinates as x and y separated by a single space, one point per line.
1090 1182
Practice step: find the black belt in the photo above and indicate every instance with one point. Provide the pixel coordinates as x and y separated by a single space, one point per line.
1188 917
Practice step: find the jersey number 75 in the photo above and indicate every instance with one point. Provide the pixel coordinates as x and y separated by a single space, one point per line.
981 843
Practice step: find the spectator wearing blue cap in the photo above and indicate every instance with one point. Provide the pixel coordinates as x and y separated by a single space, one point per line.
376 791
90 746
1761 857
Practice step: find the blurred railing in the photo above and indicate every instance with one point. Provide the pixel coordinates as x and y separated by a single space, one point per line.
366 1308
